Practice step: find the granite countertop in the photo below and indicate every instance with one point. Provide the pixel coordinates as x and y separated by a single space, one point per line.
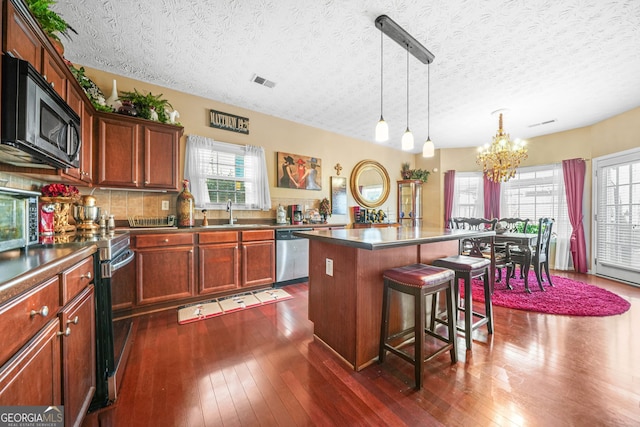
224 227
390 237
20 270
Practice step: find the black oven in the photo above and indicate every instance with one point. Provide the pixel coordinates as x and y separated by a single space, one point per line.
115 266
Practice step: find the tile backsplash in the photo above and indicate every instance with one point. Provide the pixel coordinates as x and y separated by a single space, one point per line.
123 204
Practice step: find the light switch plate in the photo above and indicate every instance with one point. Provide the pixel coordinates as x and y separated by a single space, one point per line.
165 205
329 267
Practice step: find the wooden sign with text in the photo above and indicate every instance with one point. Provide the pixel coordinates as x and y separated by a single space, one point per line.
225 121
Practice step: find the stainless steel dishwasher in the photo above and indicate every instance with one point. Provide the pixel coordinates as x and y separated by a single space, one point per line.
292 257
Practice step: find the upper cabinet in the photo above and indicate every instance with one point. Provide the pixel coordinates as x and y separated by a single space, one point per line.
137 154
20 38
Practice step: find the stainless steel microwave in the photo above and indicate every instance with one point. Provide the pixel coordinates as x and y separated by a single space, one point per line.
18 218
39 129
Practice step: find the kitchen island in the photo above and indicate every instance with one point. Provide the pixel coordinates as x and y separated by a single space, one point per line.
345 281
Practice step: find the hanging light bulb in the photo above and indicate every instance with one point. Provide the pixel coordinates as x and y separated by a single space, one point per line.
382 128
428 149
407 138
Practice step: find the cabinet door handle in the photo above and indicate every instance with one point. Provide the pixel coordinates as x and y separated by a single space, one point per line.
146 182
74 320
87 276
66 332
44 312
166 240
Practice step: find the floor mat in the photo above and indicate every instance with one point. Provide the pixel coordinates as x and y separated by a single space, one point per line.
229 304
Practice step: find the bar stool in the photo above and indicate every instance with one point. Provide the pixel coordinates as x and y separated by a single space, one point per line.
418 280
467 268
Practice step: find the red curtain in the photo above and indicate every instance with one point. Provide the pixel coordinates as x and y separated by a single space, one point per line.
574 172
491 198
449 181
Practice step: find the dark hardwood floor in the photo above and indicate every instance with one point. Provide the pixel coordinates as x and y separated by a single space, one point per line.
262 366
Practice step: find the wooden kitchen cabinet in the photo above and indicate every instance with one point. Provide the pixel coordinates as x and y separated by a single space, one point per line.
137 153
164 267
81 105
20 39
258 257
218 261
77 319
32 376
53 73
52 325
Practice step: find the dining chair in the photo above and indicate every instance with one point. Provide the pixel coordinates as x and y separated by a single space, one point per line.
480 248
508 225
536 255
512 225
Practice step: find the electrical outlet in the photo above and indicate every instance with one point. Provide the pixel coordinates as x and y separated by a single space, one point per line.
165 205
329 267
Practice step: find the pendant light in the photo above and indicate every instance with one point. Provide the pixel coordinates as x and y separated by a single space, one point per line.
382 128
428 149
407 138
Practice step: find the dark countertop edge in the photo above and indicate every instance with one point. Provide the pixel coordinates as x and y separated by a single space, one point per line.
68 257
220 227
372 246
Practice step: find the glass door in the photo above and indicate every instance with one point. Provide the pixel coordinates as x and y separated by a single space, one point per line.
617 219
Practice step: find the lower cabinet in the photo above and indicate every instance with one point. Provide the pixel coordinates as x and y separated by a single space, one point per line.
55 361
32 376
258 257
219 261
164 267
177 267
78 354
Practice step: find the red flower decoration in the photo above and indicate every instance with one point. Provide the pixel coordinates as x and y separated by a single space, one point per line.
60 190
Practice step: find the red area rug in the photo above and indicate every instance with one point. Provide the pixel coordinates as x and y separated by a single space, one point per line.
566 297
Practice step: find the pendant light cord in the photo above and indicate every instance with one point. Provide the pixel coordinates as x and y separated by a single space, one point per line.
407 87
381 70
428 100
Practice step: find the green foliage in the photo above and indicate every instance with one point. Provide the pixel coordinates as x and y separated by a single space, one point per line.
408 173
52 23
420 174
145 103
92 91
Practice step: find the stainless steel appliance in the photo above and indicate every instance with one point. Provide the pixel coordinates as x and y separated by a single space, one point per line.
18 218
39 129
292 257
114 266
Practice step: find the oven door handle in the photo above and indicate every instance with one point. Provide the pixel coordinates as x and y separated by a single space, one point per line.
124 259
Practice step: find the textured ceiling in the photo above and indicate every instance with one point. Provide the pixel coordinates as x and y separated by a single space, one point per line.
573 61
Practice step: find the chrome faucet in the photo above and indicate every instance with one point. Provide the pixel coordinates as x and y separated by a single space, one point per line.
230 210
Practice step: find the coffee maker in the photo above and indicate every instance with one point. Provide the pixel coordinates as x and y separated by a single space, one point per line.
294 212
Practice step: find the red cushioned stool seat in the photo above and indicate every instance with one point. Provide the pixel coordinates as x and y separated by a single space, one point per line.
420 281
467 268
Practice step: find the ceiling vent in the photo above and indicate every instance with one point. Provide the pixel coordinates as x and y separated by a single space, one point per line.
542 123
262 81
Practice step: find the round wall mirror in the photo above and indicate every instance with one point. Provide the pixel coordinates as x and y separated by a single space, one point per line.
370 184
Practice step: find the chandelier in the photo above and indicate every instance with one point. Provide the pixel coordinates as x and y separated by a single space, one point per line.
500 159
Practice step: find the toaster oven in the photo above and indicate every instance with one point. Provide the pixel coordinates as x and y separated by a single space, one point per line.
18 218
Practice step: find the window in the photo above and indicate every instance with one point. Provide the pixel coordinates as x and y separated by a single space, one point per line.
538 192
219 172
533 193
468 199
